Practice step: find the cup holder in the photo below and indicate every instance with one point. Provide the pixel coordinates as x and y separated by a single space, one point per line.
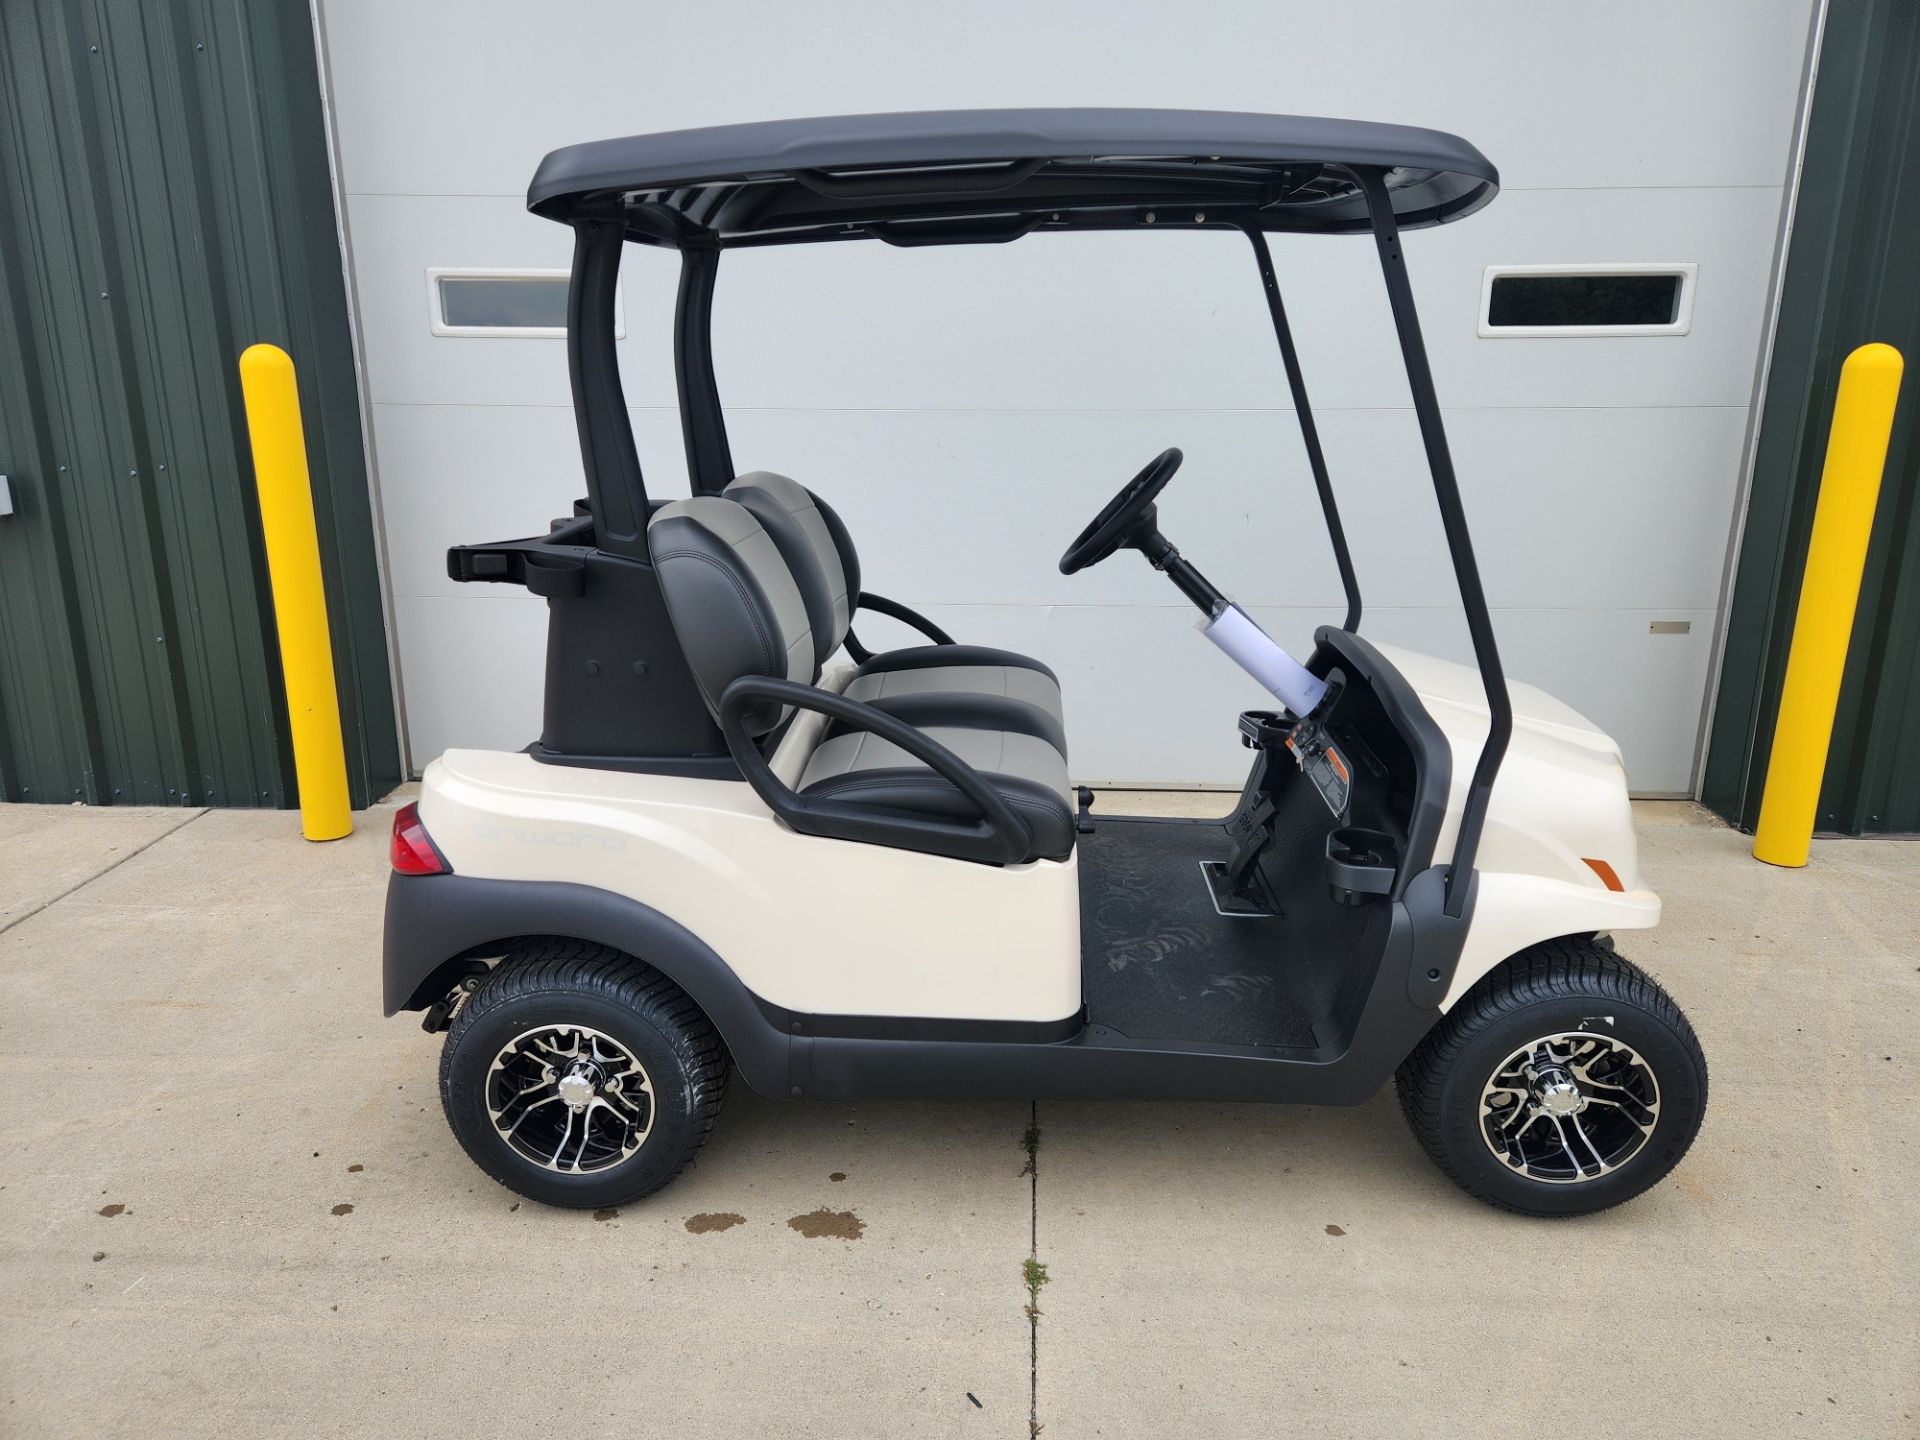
1360 865
1265 729
557 577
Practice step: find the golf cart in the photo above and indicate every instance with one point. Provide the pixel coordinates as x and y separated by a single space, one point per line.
745 839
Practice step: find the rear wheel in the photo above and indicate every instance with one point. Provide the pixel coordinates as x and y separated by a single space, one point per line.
1565 1082
578 1076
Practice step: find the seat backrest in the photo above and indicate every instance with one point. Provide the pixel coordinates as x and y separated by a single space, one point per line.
816 547
733 602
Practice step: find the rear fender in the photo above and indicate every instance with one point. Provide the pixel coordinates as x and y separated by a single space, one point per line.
435 922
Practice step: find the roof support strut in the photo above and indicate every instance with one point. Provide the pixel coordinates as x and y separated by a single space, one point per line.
1309 431
615 489
702 421
1453 518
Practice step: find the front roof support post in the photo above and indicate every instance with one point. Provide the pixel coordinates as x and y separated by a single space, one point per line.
615 490
1453 519
1309 431
703 422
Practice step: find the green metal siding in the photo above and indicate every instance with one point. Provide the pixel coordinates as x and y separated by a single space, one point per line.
1853 275
166 203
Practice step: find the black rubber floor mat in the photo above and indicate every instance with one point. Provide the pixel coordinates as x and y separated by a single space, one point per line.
1160 962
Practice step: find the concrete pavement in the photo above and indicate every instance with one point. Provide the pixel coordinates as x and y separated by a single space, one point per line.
203 1095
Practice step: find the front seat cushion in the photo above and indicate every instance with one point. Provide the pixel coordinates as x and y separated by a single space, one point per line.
863 769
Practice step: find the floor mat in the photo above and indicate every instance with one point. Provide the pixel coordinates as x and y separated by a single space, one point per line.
1160 962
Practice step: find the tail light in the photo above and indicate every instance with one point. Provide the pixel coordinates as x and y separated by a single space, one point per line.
413 851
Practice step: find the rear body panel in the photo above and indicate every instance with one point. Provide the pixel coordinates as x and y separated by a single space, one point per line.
808 924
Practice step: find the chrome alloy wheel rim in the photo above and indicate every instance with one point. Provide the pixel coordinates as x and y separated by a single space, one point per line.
1569 1108
570 1099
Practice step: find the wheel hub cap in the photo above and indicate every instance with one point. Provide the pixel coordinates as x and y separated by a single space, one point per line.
1556 1094
570 1098
1569 1108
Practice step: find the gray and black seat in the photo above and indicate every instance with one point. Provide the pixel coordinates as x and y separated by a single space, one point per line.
820 554
974 775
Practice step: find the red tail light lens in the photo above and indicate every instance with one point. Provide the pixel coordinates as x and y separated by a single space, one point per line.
413 851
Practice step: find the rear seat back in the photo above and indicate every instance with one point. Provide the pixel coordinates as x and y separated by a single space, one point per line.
733 601
815 545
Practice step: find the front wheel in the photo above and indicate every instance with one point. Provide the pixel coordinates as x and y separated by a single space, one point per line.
1565 1082
579 1076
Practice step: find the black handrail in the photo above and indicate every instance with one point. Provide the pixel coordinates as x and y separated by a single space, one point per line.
1453 519
880 605
999 837
1309 431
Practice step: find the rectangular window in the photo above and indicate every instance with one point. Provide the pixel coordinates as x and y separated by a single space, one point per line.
526 304
1577 300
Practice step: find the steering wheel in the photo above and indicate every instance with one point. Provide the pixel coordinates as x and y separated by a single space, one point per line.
1127 515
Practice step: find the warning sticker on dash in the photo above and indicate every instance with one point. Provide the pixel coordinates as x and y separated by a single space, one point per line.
1330 777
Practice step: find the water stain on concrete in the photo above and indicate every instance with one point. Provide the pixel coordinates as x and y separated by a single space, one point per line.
343 1209
1335 1230
1691 1187
828 1225
837 1176
606 1214
713 1222
112 1210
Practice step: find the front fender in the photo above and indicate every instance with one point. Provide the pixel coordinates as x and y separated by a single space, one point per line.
434 919
1515 911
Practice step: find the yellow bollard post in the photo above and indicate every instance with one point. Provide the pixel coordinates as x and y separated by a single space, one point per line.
1836 558
299 601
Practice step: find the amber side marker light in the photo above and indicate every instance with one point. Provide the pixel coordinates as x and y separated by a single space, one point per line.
1605 872
413 851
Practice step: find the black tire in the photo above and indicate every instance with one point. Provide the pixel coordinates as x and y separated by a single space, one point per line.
1570 986
557 984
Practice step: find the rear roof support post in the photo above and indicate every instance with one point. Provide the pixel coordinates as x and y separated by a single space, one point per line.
1453 519
615 489
702 421
1309 431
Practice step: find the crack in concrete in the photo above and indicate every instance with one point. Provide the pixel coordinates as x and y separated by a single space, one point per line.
1034 1272
80 885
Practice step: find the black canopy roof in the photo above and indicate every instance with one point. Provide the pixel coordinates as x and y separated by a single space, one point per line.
955 176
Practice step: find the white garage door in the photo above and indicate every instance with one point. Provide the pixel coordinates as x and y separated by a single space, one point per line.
968 409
